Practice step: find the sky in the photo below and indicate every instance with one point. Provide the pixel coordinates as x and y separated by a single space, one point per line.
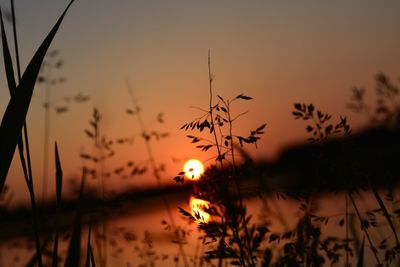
278 52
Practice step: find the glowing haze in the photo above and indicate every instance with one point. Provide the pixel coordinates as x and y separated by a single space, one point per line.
278 52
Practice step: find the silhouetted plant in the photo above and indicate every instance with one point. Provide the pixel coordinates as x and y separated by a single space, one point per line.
13 121
147 253
386 109
229 230
49 64
384 112
104 150
47 76
157 169
321 129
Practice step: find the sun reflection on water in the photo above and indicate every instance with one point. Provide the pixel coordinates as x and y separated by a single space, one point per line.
197 207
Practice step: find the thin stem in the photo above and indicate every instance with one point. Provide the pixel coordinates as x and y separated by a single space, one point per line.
46 141
365 229
210 80
217 143
230 134
57 226
35 223
15 39
27 171
347 230
237 183
99 146
155 170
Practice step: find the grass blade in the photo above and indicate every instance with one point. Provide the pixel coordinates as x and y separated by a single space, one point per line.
88 252
7 59
17 109
386 214
92 257
74 249
59 177
33 261
9 69
360 262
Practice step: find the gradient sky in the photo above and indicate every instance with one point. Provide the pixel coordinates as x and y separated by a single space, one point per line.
278 52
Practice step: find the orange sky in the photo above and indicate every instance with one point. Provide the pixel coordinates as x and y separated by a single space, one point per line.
275 51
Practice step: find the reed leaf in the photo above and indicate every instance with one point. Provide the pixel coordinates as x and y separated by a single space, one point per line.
17 108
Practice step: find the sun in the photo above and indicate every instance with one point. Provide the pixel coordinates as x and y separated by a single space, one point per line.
193 169
197 207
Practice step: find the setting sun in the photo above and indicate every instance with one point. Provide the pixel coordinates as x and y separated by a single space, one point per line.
193 169
197 207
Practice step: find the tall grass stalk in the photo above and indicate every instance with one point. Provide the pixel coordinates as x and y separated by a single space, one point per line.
46 136
27 171
155 170
365 230
25 127
47 78
220 184
386 214
29 177
245 259
101 147
13 122
211 109
347 229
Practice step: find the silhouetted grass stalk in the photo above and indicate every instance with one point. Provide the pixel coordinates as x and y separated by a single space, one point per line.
27 170
46 136
244 258
13 121
73 256
237 182
347 229
211 108
386 214
59 178
155 170
365 230
220 158
103 253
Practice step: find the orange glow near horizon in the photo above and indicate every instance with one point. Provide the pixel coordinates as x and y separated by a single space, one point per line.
193 169
197 207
